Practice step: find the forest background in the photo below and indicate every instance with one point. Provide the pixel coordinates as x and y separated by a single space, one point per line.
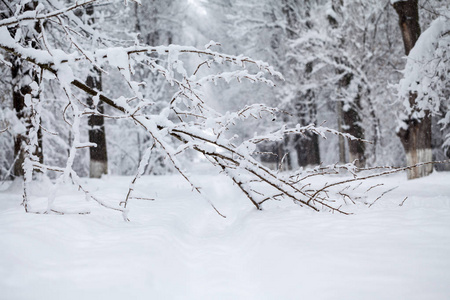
345 64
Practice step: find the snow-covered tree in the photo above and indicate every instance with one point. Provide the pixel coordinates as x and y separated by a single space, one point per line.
424 85
342 41
424 91
25 81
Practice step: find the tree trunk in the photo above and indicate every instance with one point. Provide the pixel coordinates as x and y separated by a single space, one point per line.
307 150
22 76
416 140
341 139
416 136
307 146
98 155
349 119
408 15
352 120
352 123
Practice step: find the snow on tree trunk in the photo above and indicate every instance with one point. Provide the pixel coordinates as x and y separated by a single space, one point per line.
416 134
23 75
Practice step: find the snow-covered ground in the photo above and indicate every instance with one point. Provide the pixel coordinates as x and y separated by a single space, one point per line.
178 247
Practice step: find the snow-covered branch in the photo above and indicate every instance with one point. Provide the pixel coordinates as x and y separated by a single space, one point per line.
183 122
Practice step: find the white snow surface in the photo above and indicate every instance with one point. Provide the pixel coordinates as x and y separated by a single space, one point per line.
178 247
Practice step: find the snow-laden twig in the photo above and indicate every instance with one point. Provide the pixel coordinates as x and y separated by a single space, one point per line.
392 171
142 164
34 15
384 193
230 157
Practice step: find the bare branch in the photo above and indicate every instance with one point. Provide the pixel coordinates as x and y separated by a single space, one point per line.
34 16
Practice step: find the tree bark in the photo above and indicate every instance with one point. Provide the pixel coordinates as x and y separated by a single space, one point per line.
408 20
416 135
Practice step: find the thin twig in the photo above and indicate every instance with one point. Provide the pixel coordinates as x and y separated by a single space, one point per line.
379 197
401 204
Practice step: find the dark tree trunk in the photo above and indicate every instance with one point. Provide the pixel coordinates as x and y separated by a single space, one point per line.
348 110
98 155
341 139
351 120
22 76
307 149
416 136
307 146
408 15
